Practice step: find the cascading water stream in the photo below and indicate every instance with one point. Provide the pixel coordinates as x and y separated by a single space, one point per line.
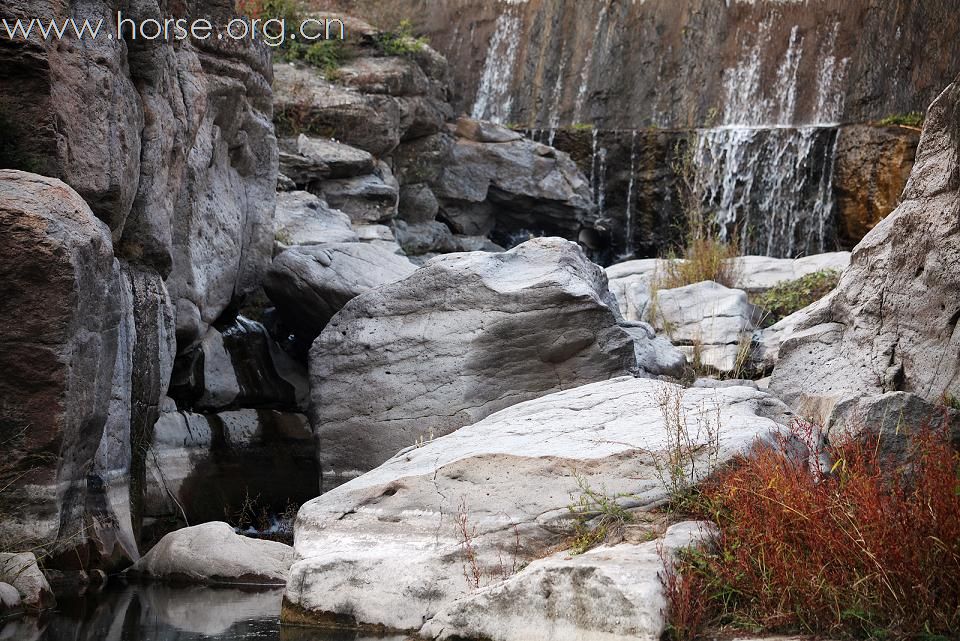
767 183
598 172
493 100
630 232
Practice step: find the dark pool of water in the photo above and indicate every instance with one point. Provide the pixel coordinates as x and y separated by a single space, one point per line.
157 612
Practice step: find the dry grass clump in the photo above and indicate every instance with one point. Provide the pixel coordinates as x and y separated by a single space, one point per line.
867 549
704 258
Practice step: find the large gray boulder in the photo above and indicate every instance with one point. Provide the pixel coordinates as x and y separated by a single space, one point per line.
369 198
462 337
342 161
513 186
388 549
60 288
22 573
891 324
311 284
213 553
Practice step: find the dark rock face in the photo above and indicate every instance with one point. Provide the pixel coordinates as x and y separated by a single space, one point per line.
61 300
669 63
206 466
891 325
172 146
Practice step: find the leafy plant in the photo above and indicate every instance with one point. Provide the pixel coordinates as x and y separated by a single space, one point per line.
912 119
597 516
865 549
325 54
401 41
790 296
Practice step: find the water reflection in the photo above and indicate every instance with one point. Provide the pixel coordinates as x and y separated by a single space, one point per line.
157 612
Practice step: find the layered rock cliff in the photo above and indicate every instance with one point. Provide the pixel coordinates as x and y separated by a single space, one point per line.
751 92
627 65
161 224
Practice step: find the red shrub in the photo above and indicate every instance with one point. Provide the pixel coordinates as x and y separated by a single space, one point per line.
865 549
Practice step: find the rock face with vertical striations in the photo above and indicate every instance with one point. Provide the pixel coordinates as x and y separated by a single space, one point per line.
172 147
892 323
462 337
60 291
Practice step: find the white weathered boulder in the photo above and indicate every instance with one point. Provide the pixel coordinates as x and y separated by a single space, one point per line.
305 219
609 593
22 572
386 548
631 282
213 553
708 321
767 341
311 284
892 323
760 273
462 337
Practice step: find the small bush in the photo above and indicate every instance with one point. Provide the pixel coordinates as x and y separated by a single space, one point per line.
912 119
703 259
401 41
597 517
864 550
790 296
327 55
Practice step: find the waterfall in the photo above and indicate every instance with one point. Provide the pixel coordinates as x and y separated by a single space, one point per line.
770 188
766 182
598 173
630 248
493 100
587 66
554 116
830 78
